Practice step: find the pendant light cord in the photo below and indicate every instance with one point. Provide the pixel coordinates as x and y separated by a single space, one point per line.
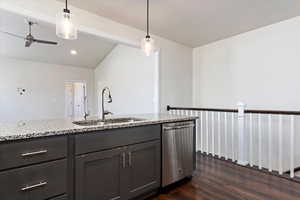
66 10
147 17
29 23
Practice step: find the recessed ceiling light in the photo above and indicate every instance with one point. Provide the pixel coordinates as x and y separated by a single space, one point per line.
73 52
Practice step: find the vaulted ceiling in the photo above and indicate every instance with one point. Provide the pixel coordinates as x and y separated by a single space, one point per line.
194 22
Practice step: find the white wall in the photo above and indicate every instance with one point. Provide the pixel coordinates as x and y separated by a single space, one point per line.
45 89
175 59
260 68
130 75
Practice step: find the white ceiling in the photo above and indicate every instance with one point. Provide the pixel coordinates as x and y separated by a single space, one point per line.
91 49
194 22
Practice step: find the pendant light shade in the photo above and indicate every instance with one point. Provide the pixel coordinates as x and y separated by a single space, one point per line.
65 27
148 43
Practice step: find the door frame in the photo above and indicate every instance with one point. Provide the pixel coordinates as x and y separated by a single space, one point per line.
85 95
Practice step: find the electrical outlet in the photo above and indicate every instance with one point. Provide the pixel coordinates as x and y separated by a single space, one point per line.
21 91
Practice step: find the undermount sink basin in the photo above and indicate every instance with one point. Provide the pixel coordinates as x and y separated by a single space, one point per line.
107 121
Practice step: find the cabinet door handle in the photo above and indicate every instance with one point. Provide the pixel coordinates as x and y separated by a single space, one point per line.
34 153
129 157
41 184
124 159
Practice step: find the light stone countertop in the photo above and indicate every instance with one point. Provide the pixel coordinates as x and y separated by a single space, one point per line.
43 128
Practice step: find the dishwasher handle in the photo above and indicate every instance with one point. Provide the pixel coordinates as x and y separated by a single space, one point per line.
178 127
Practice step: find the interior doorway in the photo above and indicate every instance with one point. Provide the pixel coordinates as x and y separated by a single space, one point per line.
76 99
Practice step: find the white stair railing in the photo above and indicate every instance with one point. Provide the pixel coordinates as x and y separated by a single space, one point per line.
264 139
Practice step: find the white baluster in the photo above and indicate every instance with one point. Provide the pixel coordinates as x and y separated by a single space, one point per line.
280 145
292 168
193 114
232 136
177 112
213 133
270 141
198 131
259 142
206 123
242 160
219 135
251 140
225 134
201 132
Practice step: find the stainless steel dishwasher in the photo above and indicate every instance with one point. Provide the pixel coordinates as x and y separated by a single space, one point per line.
178 151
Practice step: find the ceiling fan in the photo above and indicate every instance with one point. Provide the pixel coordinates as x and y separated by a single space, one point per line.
29 39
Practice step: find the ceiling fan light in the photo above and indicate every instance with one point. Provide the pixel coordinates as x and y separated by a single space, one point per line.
148 45
65 27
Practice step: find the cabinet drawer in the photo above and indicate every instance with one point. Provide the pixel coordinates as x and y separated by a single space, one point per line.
35 182
17 154
108 139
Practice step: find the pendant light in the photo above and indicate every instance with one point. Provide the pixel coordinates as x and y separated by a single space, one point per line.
65 27
148 44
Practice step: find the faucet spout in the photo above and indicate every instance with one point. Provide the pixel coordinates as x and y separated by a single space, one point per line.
104 112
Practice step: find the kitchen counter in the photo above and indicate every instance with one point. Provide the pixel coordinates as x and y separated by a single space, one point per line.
43 128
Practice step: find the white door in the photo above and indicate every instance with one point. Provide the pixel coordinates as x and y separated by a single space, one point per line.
69 100
79 93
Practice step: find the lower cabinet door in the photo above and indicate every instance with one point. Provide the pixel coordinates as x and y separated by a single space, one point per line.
143 171
99 175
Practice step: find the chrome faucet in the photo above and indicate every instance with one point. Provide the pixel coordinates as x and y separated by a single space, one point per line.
85 104
86 114
105 112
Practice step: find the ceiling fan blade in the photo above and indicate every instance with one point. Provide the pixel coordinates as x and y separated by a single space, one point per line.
12 34
45 42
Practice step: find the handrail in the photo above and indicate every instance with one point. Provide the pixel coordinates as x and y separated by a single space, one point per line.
201 109
274 112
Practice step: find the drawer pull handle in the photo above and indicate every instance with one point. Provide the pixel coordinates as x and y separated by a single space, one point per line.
124 159
41 184
34 153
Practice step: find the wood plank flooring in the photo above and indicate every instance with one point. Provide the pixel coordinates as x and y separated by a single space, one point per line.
220 180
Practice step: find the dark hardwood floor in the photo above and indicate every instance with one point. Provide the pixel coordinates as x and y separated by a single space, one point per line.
220 180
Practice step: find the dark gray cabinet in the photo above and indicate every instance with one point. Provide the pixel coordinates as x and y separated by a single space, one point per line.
33 169
120 173
100 175
18 154
109 139
34 182
143 172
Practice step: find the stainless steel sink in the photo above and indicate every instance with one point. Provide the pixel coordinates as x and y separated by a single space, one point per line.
107 121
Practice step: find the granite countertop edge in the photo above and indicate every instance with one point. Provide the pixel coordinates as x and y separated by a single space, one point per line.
18 134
